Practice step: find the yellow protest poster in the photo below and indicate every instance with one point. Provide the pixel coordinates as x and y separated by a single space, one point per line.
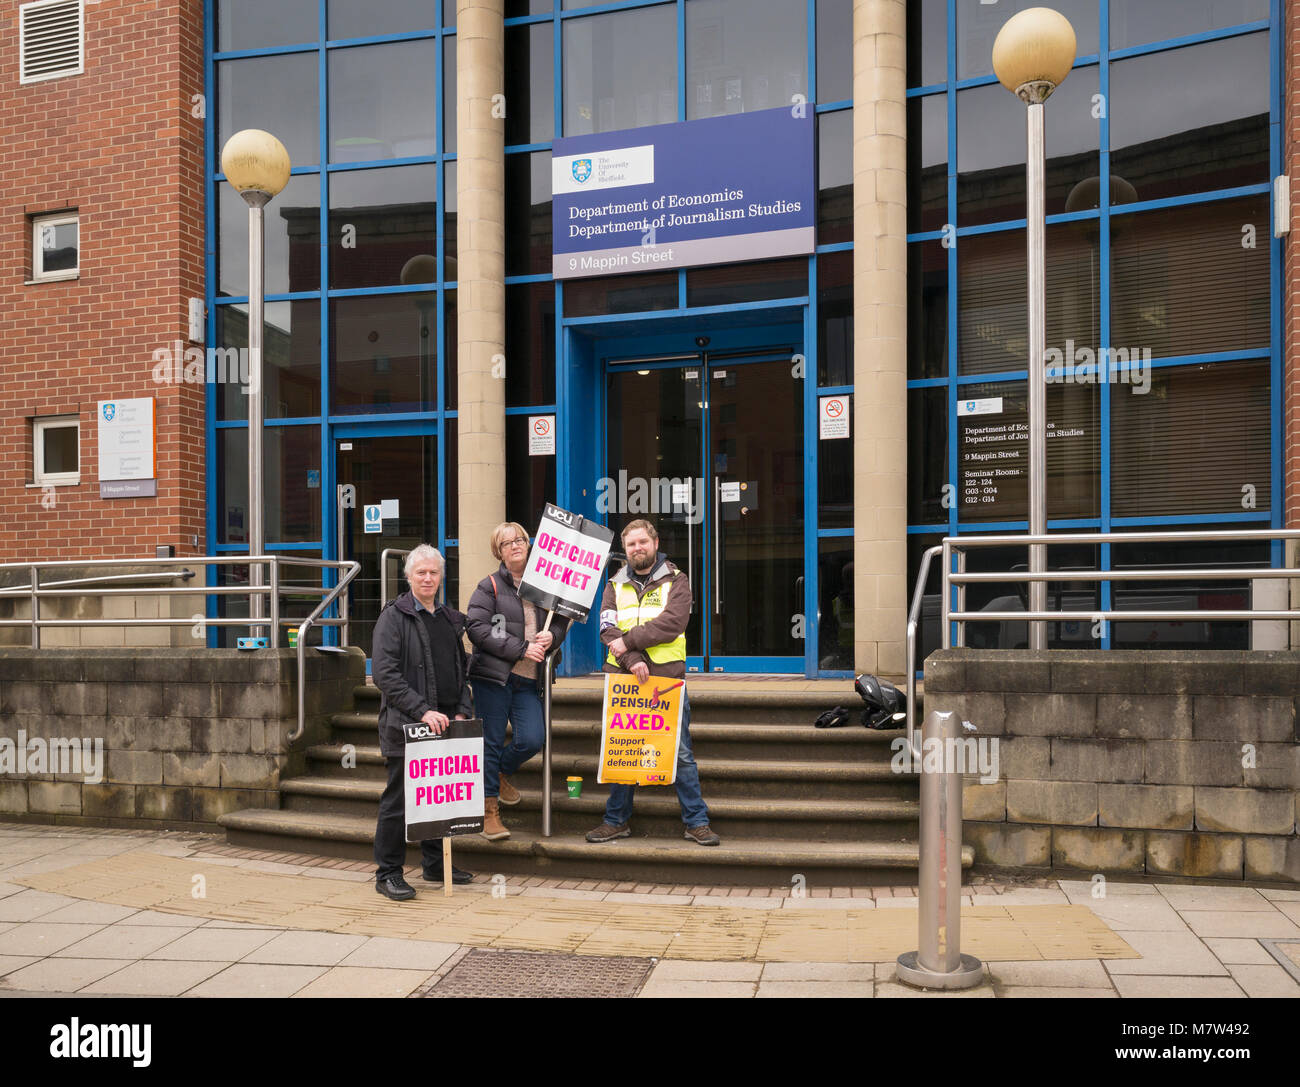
640 730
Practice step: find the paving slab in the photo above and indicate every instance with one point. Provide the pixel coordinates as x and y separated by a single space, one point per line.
306 949
1156 986
819 971
83 912
9 963
1232 950
1190 897
362 981
1079 974
1166 953
1265 981
40 938
681 989
1051 992
704 970
1134 913
7 889
1078 890
214 945
818 990
1029 896
259 980
1273 894
28 905
123 941
61 975
155 977
1254 923
391 953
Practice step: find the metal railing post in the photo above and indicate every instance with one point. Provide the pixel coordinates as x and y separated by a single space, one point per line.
938 962
36 607
275 602
546 746
945 595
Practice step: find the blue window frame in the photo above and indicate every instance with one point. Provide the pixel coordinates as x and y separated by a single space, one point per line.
1099 67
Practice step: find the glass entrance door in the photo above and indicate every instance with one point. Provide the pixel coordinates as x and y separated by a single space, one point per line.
398 473
711 452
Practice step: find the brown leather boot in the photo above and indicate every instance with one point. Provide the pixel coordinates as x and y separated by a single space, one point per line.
493 828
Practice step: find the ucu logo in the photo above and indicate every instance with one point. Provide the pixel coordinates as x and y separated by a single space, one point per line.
419 732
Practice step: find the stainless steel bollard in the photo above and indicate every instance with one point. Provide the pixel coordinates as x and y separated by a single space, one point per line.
939 963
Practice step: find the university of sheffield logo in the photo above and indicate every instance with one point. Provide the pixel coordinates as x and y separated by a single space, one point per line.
110 410
581 170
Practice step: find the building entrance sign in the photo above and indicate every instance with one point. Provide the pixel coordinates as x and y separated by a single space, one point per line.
712 191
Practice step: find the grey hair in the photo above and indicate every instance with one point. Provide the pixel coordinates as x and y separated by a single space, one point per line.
422 554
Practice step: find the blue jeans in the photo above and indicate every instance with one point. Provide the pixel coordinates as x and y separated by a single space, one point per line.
618 810
519 701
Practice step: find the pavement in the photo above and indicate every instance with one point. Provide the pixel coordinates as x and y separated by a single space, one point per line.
156 913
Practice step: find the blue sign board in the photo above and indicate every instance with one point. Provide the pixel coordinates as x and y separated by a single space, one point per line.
712 191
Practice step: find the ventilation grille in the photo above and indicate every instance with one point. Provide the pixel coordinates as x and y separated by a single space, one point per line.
52 37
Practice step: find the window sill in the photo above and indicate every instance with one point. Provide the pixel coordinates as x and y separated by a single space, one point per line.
53 483
64 277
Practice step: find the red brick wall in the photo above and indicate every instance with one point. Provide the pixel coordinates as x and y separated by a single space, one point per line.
121 144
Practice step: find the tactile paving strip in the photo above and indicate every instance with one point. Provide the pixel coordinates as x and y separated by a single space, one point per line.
523 973
1287 953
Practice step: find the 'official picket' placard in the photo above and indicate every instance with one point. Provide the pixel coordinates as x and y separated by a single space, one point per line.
565 563
444 780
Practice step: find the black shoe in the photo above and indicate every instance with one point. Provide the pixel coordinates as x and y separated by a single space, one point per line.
396 888
458 875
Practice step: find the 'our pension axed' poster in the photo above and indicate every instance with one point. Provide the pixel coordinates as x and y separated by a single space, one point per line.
444 780
565 564
641 730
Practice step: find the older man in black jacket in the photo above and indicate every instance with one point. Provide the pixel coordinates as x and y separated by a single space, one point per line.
418 664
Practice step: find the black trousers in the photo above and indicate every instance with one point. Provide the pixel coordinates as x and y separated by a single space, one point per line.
390 833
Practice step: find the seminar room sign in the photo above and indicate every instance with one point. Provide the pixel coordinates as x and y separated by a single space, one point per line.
712 191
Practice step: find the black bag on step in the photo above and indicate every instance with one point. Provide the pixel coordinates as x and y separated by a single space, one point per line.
840 715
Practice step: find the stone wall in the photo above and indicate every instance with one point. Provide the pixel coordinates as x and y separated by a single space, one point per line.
1169 763
187 734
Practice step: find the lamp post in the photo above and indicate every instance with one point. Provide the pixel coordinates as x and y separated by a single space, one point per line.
1032 54
257 165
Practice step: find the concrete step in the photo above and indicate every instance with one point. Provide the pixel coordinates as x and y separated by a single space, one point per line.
758 704
670 859
769 741
720 776
657 811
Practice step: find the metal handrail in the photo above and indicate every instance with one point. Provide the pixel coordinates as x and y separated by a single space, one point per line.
169 575
956 547
386 554
350 570
35 591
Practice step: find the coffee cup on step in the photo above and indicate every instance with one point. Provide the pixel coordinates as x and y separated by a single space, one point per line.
575 787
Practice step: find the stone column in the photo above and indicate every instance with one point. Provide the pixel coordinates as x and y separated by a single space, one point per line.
880 335
481 292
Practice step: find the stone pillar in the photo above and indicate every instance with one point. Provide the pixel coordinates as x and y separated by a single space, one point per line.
880 335
481 293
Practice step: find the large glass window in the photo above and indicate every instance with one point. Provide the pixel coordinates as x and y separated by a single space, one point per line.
528 214
1136 22
380 222
255 24
834 50
927 162
530 344
382 355
742 56
290 361
835 319
835 177
530 82
292 239
927 309
291 455
277 94
351 19
927 41
620 70
381 101
1212 134
978 23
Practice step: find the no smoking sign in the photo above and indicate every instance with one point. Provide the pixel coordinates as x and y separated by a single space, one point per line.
833 416
541 435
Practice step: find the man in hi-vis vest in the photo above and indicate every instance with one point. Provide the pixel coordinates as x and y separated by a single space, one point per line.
643 617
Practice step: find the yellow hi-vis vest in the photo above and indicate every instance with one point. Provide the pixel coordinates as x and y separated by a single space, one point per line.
633 612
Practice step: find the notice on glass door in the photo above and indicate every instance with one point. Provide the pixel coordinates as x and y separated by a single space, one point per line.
833 417
541 435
